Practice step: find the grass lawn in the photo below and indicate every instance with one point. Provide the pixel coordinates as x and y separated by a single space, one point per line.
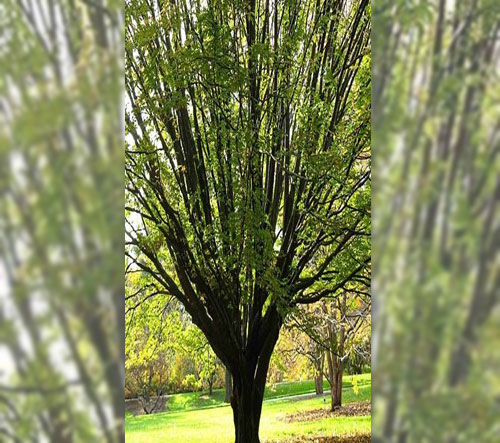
216 424
199 400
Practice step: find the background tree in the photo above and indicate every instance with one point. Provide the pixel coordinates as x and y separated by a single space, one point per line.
286 363
248 166
298 354
164 350
146 372
195 344
336 327
152 331
359 362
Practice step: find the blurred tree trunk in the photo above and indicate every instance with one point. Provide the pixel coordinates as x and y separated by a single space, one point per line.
49 44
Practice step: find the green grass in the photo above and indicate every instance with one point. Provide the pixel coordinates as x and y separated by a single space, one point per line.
216 425
201 400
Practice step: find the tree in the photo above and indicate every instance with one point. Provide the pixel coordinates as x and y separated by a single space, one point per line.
193 342
359 362
316 355
336 327
296 354
160 337
152 330
343 327
247 166
147 371
318 361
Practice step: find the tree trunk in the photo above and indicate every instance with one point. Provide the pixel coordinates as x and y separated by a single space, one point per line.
319 362
331 377
332 395
228 386
249 382
339 364
246 402
335 362
335 374
338 369
318 384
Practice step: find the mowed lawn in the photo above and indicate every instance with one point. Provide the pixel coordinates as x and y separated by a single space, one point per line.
215 424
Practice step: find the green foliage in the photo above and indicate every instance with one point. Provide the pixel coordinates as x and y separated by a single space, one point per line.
223 179
190 383
164 351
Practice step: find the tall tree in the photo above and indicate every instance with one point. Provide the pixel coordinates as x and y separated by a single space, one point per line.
247 166
296 345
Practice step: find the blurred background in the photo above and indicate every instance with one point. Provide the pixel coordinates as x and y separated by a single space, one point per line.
61 221
436 192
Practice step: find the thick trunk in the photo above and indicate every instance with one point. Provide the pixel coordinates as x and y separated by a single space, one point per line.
246 402
335 373
249 382
228 386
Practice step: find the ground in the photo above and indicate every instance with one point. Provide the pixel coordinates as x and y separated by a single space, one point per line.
288 413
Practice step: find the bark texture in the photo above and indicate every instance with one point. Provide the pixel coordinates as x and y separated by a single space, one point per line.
228 386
